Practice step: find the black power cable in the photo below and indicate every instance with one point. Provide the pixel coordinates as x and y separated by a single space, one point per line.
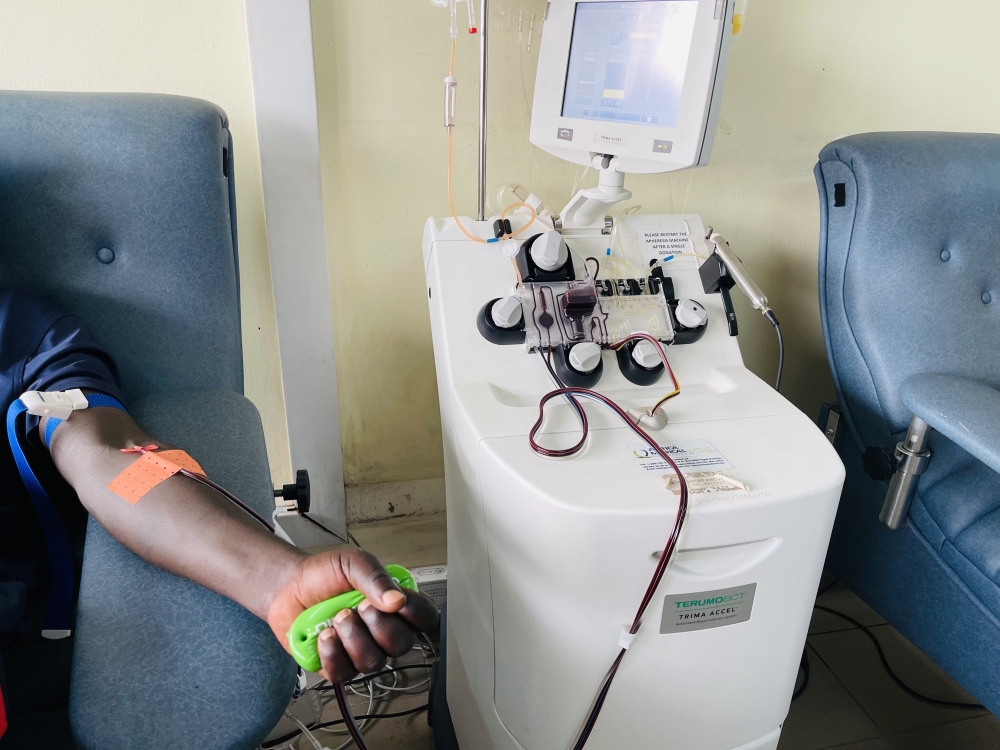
885 664
396 715
804 664
773 320
804 668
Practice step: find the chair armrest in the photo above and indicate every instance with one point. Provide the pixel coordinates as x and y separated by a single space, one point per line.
159 661
965 411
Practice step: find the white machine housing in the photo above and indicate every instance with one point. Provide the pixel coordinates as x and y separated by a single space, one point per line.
639 148
548 559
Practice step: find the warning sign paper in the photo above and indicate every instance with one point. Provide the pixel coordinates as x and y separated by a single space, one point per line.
665 244
690 456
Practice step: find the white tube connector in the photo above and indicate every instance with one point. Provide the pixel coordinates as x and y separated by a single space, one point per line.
625 638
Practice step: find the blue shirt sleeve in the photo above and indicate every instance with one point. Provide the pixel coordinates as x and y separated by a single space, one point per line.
70 357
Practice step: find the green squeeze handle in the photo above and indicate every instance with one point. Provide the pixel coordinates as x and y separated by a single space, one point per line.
308 625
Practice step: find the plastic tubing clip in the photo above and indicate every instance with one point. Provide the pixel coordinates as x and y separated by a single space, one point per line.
308 625
625 638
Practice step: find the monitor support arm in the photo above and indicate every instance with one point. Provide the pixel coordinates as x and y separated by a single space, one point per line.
589 206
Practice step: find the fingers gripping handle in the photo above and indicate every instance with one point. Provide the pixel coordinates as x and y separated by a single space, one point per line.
307 626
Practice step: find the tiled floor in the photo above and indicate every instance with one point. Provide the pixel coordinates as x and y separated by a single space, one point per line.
849 704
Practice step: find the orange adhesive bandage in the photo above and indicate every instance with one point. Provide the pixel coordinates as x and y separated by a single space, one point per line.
151 469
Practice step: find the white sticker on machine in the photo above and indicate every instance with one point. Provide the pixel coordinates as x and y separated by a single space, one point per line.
670 244
690 456
702 610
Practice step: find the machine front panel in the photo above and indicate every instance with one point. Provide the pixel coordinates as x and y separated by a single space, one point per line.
553 556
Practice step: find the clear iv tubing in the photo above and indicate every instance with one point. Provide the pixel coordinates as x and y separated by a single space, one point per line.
472 16
669 549
451 199
454 212
202 479
495 197
565 452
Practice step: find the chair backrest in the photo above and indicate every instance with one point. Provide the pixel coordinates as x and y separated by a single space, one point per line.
120 208
909 267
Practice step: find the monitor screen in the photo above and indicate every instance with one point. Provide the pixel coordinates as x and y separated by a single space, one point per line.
627 61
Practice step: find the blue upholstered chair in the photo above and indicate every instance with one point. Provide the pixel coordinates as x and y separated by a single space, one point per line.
121 209
910 302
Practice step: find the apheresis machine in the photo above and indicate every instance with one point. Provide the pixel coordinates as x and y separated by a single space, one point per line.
637 524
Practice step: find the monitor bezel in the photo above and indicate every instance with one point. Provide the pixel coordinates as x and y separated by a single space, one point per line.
632 143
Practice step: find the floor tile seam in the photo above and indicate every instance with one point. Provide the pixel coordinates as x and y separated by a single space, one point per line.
949 722
874 628
882 666
848 691
838 630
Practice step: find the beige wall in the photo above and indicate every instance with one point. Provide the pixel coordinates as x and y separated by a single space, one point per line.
190 47
802 73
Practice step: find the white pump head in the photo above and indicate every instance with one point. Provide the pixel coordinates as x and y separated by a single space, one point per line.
585 357
506 312
549 251
646 355
690 314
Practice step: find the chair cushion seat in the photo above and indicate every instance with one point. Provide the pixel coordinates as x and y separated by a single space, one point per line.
957 509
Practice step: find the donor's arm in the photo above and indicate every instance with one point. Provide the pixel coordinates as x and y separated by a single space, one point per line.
189 529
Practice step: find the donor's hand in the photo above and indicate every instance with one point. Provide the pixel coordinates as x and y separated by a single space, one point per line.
384 624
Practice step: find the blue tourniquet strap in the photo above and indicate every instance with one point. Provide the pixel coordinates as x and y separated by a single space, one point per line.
60 609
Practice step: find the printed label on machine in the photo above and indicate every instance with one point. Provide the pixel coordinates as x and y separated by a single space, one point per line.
690 456
707 609
705 482
667 244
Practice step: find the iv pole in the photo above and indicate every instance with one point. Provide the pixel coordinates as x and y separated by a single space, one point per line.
483 63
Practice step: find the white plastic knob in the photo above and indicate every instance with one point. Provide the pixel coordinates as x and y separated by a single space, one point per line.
690 314
506 312
646 355
585 357
549 251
